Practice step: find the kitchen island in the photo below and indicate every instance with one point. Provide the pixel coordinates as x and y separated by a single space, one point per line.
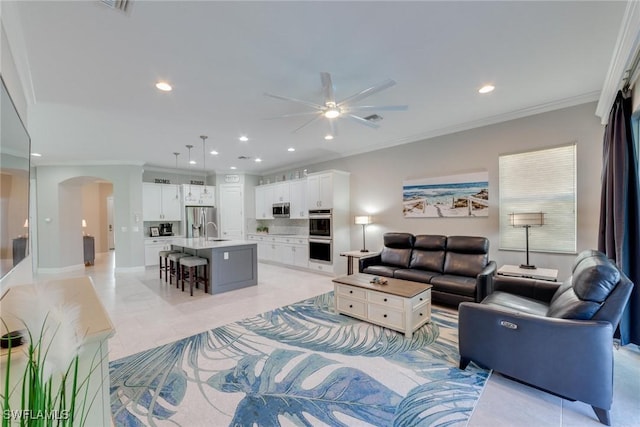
233 264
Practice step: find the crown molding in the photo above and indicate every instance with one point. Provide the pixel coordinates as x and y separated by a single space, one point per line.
624 54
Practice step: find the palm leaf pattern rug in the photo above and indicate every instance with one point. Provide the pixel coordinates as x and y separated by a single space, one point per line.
302 365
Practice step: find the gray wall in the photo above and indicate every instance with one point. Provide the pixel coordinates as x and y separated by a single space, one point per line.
376 178
59 222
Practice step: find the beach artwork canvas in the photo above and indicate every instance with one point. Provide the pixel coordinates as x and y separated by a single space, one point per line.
462 195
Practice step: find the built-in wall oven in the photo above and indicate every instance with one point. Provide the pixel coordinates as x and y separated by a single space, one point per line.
320 236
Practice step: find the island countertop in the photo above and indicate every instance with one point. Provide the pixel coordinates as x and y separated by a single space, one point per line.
201 243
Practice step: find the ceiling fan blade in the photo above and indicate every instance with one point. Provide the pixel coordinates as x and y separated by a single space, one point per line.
332 126
284 116
327 89
367 92
299 101
318 117
363 121
379 108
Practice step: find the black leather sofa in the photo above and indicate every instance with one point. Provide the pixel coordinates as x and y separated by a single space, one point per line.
556 337
457 267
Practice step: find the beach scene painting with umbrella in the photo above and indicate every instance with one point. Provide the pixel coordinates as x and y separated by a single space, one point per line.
453 196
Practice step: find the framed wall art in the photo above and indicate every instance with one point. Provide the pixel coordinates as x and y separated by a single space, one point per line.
452 196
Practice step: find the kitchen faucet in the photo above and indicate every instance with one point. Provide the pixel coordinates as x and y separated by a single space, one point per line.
205 229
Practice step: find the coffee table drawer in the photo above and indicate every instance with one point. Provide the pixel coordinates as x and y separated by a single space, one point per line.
421 315
352 292
387 317
385 299
352 306
422 298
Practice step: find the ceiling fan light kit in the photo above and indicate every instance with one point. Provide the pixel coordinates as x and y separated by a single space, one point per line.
330 109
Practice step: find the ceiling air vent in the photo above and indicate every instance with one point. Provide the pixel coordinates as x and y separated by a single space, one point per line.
373 118
117 4
244 157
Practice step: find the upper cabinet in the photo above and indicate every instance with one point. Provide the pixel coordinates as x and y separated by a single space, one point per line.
298 199
281 192
195 195
161 202
320 191
264 201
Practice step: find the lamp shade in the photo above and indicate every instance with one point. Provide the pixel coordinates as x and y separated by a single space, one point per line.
363 220
529 219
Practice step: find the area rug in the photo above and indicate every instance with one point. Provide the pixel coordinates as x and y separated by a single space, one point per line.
300 365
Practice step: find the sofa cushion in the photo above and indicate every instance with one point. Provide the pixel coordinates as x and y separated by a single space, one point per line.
569 306
412 274
380 270
516 303
458 285
397 249
428 253
466 256
594 279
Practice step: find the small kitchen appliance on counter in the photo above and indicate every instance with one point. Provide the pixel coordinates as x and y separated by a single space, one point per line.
166 229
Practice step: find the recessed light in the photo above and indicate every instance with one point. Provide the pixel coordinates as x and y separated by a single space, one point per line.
332 113
192 162
164 86
328 137
244 138
291 149
36 154
258 160
214 153
486 89
233 168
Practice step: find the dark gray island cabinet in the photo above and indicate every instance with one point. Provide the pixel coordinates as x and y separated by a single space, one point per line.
233 264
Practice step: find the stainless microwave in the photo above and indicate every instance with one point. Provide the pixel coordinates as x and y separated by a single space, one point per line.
280 210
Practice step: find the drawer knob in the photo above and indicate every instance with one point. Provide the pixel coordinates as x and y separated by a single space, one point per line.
420 298
384 316
385 300
350 292
350 305
420 314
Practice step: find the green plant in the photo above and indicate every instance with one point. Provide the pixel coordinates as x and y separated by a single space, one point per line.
42 376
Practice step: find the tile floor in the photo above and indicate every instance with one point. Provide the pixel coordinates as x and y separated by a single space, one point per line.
147 313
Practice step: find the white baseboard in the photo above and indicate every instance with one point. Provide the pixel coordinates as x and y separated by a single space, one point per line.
59 270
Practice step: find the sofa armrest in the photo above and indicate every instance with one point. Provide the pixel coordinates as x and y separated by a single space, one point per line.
484 281
368 261
572 358
541 290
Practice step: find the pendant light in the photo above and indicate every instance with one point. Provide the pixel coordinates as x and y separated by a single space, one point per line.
204 157
177 185
189 147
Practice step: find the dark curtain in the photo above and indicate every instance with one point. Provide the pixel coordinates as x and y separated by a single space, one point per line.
619 217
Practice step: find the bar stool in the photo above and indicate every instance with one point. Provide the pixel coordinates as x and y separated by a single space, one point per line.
165 266
192 263
174 267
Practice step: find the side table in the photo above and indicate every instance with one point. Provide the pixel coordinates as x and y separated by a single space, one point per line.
357 255
549 274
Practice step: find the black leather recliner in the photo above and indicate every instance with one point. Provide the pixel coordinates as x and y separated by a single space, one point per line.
556 337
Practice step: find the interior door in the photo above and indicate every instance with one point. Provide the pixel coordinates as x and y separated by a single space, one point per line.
110 234
231 211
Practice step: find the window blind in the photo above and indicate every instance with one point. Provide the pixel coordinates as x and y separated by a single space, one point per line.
539 181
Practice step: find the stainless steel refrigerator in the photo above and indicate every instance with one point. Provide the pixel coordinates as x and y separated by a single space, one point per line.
198 219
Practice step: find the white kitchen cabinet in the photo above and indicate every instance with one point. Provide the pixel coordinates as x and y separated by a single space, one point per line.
195 195
152 247
264 201
281 192
289 250
161 202
320 191
298 199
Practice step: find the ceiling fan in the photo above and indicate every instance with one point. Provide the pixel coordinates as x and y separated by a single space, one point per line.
332 109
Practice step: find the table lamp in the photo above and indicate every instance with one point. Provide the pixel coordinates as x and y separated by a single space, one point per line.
527 220
363 220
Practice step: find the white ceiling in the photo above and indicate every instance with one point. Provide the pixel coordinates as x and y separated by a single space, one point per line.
92 72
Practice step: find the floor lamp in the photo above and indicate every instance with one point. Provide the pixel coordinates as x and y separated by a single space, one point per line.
526 221
364 221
